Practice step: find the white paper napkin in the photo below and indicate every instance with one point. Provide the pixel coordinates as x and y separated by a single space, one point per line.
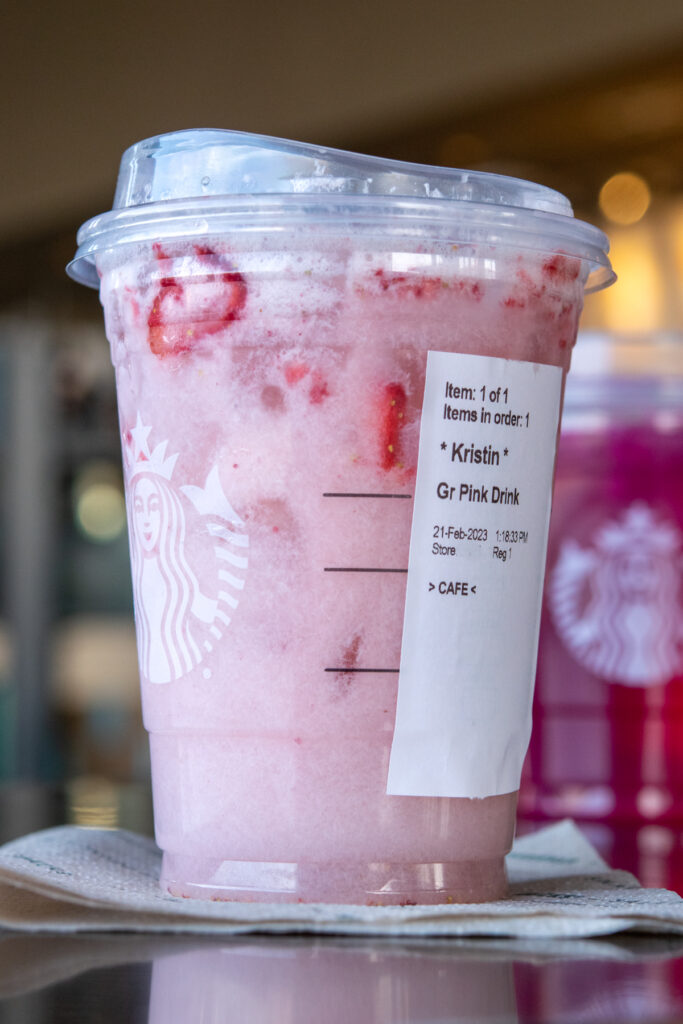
71 879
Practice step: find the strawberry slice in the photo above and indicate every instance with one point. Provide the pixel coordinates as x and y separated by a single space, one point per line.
186 311
296 371
392 406
561 268
413 285
318 391
417 285
349 658
557 271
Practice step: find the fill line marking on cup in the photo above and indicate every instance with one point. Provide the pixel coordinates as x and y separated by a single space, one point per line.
357 494
355 568
392 670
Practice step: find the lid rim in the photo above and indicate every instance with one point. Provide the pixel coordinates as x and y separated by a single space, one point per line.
410 218
442 210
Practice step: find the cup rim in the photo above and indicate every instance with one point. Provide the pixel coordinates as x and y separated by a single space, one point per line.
436 221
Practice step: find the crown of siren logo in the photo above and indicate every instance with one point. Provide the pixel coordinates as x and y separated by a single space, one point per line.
177 623
617 603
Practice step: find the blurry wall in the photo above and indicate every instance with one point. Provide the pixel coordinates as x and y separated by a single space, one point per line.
81 81
570 95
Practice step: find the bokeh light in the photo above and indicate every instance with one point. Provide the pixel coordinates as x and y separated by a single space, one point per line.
98 502
636 303
625 198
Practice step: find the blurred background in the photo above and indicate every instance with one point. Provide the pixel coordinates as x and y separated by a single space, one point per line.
585 97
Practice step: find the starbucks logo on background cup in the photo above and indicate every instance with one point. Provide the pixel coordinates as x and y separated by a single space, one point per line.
617 603
178 623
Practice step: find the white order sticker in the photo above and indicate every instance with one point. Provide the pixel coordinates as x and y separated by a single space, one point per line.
475 577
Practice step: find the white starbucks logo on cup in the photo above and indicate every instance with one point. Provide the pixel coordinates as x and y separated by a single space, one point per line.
616 604
177 623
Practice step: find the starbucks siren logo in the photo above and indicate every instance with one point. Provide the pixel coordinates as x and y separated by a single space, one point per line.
177 624
617 604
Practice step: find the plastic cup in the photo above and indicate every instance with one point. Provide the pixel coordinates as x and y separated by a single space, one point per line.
270 307
610 667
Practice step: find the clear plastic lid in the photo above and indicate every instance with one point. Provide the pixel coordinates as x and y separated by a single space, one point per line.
209 181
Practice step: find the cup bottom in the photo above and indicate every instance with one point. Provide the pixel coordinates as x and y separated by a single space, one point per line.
376 883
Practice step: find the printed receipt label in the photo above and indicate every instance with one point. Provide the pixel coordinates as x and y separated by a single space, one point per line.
475 576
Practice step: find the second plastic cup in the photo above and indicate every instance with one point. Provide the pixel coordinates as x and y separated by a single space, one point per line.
339 382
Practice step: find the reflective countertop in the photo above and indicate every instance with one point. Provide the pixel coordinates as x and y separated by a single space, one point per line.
158 980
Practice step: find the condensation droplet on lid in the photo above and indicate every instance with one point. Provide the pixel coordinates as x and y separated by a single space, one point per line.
207 673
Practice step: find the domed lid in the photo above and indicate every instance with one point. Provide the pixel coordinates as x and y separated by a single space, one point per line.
170 184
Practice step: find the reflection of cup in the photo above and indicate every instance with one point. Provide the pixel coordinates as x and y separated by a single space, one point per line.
270 308
295 980
608 718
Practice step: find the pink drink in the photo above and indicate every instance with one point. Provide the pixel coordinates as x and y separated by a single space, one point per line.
270 387
608 719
